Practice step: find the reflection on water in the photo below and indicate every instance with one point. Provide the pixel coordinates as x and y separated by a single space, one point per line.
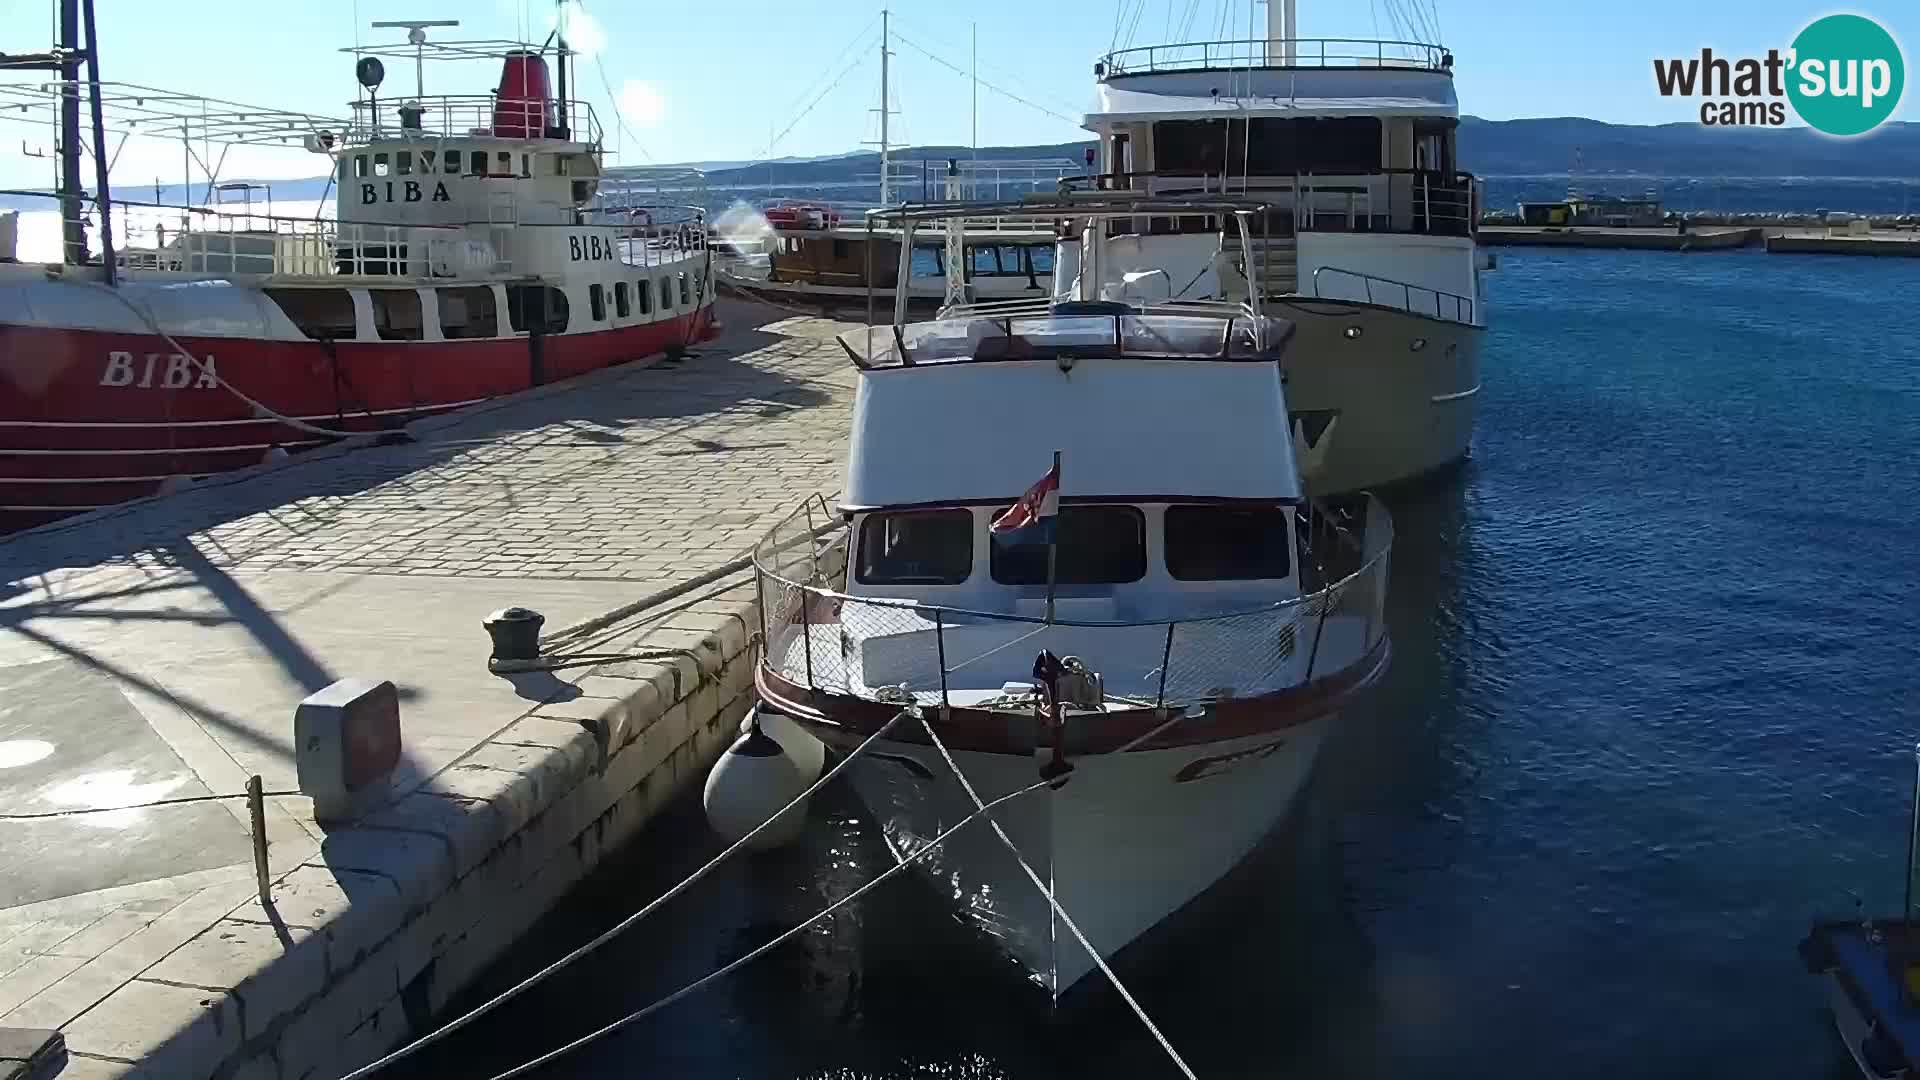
1650 704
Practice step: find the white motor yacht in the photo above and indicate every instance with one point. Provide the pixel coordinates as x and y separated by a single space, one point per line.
1161 626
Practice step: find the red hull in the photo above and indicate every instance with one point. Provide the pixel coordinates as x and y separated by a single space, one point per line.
77 432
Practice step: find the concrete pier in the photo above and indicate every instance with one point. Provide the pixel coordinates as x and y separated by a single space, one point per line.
156 651
1823 242
1702 238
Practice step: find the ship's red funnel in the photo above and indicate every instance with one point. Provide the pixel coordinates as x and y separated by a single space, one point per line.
523 108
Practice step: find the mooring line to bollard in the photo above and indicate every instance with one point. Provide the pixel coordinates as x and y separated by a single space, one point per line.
1034 877
787 935
620 927
153 324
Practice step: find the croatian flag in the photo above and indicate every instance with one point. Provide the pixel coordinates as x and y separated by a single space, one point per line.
1031 520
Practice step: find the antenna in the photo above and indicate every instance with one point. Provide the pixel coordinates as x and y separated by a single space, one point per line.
417 37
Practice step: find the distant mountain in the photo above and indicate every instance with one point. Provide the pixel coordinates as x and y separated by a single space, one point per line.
1544 147
1547 146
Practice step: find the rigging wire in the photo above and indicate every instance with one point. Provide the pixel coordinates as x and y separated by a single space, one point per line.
1139 10
787 935
1059 911
1186 20
858 62
1002 91
934 34
616 929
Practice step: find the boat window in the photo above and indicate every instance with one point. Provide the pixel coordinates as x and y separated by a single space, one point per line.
620 307
537 309
468 313
644 289
477 163
359 164
562 165
379 164
1172 335
396 314
526 165
426 161
403 162
1098 545
321 314
1278 145
685 298
916 547
1227 543
839 249
700 287
506 163
453 162
597 301
666 294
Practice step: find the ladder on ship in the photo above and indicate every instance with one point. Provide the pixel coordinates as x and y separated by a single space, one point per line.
1277 258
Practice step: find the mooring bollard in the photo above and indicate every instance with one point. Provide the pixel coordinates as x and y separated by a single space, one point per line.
515 634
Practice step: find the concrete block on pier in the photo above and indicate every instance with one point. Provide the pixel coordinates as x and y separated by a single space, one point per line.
346 743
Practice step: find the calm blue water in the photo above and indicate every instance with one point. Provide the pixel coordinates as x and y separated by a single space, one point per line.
1655 682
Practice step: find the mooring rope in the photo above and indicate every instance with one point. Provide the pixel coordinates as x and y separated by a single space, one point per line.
153 324
1065 918
692 987
623 925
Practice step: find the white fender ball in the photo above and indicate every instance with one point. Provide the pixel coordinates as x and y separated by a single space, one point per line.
748 785
807 752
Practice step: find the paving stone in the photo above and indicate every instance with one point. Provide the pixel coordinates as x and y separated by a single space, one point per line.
639 477
171 1030
270 970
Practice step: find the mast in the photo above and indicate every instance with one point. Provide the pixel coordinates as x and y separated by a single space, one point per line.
1280 29
71 208
100 198
886 157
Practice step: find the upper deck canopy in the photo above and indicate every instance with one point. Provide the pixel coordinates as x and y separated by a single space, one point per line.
133 109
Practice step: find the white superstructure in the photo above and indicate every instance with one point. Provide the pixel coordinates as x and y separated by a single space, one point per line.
1365 241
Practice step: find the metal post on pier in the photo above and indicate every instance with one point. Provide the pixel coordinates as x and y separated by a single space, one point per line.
257 816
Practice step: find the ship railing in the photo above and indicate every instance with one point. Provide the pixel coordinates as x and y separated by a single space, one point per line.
819 637
1338 283
1276 53
467 116
1415 201
158 239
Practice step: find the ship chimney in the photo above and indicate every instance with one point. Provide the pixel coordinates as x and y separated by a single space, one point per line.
523 106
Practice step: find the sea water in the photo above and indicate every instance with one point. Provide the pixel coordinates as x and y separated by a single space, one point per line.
1655 689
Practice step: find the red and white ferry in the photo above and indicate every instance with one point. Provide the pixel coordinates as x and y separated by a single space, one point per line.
466 263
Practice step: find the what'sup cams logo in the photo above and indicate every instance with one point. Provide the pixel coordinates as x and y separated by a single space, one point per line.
1843 76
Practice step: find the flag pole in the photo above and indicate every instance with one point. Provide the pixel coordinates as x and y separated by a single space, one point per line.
1053 542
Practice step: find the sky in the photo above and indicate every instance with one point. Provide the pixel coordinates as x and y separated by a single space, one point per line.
747 79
